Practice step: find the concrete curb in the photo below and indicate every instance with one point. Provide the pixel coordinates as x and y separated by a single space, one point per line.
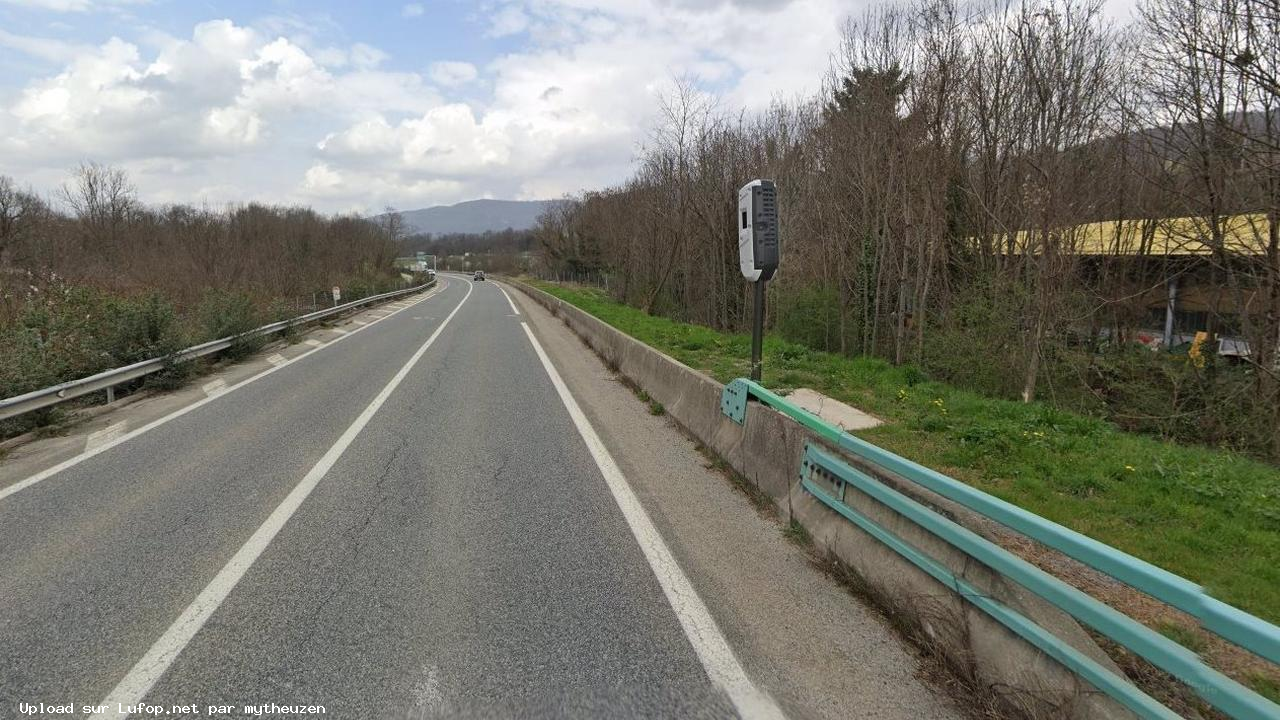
767 450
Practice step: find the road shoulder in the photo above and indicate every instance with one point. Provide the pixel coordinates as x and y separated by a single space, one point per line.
801 636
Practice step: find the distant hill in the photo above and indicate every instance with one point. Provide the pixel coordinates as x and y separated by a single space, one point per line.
475 216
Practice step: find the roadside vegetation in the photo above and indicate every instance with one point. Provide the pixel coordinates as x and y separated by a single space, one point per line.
1210 515
93 279
1002 195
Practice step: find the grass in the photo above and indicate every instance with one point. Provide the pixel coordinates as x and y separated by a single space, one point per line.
1207 515
1184 636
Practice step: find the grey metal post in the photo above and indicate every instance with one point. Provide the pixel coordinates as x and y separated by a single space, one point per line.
1169 309
757 330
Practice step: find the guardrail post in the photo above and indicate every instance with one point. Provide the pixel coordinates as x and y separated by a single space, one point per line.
108 379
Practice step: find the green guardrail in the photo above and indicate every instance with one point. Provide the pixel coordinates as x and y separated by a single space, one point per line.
826 477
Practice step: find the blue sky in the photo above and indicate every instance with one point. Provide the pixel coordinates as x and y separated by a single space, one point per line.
355 106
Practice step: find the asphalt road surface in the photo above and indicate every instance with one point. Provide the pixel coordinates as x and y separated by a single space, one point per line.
417 520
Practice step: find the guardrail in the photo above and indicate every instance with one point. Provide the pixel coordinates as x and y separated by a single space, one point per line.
108 379
826 477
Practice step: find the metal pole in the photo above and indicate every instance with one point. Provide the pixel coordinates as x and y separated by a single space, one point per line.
757 330
1169 309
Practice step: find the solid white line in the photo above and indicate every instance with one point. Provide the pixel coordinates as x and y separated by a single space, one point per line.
73 461
514 309
135 685
713 650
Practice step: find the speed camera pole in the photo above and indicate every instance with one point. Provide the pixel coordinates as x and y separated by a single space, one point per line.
758 253
757 329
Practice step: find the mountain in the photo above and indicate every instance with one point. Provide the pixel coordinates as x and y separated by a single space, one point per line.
475 216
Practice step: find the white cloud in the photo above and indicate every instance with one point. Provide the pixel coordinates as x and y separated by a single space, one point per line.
366 57
43 48
452 72
266 112
72 5
510 20
226 88
413 10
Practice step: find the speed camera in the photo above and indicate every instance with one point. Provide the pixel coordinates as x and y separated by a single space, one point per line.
758 230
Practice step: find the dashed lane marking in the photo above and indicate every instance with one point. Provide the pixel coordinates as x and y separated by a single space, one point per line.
105 435
77 459
138 681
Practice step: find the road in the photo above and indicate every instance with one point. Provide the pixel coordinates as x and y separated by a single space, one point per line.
418 519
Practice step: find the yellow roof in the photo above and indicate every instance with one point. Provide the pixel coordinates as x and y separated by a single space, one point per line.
1242 234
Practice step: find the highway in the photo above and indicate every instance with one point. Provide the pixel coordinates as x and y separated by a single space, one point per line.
451 510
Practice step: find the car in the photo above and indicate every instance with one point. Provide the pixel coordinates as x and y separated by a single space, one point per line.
478 276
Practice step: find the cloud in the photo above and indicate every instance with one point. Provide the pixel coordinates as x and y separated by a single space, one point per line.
225 89
271 112
510 20
450 73
43 48
72 5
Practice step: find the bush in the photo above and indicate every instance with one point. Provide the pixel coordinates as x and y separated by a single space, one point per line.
66 332
978 344
228 313
809 316
140 329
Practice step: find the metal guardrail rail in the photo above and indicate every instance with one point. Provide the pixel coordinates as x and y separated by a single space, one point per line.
827 477
21 404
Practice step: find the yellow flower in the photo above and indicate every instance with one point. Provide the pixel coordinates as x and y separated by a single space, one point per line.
1129 468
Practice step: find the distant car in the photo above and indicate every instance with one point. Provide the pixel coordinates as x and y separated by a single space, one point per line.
478 276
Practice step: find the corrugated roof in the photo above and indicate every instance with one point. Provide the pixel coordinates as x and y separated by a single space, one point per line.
1242 235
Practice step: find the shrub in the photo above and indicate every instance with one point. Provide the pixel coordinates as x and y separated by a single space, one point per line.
809 316
227 313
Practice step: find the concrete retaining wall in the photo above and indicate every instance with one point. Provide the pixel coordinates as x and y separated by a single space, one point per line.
767 450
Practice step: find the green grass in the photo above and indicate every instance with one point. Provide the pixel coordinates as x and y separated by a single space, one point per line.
1208 515
1184 636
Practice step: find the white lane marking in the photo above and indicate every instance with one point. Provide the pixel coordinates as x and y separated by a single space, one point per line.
76 460
713 650
138 681
215 388
276 359
105 435
514 309
313 342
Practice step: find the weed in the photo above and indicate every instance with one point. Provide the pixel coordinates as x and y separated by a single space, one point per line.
1184 636
1267 687
797 533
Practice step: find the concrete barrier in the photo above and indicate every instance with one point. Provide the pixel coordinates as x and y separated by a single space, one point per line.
767 450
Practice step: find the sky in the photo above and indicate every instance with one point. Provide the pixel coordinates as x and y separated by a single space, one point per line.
357 106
